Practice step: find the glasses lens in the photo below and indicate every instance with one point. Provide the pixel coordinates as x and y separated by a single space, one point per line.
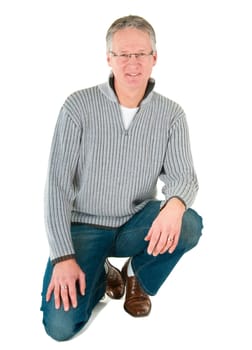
138 56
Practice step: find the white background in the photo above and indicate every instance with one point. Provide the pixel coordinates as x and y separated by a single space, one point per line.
50 49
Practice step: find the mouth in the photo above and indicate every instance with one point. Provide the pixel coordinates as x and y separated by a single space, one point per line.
133 75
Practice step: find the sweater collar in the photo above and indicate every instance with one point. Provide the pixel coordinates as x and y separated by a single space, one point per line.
108 90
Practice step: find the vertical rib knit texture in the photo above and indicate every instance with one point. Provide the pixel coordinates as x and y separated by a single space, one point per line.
100 173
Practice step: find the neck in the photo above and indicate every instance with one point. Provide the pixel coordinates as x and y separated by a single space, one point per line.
130 99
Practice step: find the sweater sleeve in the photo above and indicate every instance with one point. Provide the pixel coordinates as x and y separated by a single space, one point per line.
178 174
60 189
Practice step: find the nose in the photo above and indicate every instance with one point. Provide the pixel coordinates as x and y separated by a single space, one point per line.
133 58
135 55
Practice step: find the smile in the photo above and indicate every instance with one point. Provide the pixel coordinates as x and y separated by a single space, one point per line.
133 74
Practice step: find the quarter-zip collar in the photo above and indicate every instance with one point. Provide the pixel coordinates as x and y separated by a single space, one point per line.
108 90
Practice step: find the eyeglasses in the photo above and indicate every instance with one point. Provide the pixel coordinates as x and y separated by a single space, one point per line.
125 57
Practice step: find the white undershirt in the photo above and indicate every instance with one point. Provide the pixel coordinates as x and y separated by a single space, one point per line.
128 115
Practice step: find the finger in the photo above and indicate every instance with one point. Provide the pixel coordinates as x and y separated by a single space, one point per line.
161 244
169 243
49 292
57 300
173 245
82 284
72 295
148 236
65 297
153 242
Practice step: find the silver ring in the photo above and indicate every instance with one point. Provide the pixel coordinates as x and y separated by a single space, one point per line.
170 239
64 287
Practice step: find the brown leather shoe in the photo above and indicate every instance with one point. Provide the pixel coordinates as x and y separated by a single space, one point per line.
115 284
137 302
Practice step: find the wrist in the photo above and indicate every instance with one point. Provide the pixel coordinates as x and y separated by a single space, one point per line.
63 258
175 203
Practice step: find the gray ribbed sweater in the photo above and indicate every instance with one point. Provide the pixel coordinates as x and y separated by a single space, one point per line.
100 173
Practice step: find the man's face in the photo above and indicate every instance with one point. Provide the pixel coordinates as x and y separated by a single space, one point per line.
133 72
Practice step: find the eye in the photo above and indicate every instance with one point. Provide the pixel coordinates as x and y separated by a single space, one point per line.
141 54
125 55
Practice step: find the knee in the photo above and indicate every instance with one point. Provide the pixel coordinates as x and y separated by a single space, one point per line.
191 230
62 330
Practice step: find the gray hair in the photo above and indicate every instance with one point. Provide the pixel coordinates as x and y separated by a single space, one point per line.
130 22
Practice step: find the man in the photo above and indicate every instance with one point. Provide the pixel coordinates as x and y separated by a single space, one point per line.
112 143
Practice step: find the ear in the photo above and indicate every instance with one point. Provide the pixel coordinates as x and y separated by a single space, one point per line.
154 58
109 59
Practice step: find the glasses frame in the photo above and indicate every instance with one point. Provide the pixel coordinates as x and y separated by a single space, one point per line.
127 56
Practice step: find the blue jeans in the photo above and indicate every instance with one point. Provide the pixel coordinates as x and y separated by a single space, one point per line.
93 244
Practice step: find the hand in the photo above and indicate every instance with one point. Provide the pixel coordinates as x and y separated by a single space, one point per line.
164 233
63 283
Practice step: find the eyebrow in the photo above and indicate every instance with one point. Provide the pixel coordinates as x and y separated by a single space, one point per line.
137 51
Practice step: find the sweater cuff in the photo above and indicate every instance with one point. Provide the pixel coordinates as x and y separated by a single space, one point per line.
62 258
165 201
